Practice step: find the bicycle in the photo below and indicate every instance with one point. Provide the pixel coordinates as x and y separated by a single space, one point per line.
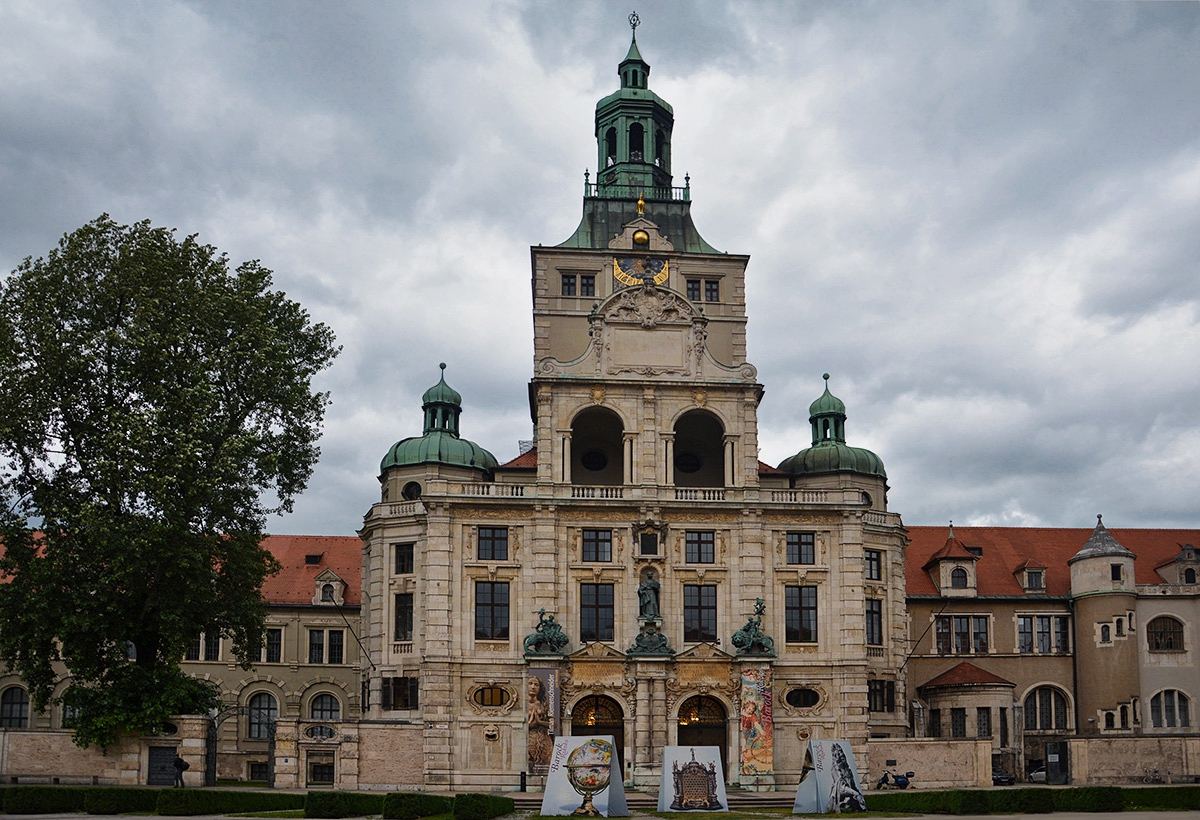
1153 776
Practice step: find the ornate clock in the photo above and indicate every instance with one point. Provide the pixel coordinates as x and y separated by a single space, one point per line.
635 270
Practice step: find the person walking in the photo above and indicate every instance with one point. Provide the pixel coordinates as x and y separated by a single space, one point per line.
180 765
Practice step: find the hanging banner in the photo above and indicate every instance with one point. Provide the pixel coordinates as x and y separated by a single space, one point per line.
758 734
541 707
828 780
585 779
692 780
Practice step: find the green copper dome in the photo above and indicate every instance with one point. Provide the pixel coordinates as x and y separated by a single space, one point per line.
829 452
440 443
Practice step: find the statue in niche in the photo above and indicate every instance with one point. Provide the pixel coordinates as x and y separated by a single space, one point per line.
648 598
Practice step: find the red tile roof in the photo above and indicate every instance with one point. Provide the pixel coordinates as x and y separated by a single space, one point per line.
953 549
964 674
767 469
526 461
296 581
1006 550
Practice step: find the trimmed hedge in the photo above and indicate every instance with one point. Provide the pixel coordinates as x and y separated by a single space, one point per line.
481 806
119 800
1163 797
342 804
1089 798
43 799
186 802
411 805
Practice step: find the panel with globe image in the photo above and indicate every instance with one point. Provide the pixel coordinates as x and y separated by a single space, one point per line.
585 779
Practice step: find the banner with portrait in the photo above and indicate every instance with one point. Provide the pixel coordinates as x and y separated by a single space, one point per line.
541 715
758 733
828 779
585 778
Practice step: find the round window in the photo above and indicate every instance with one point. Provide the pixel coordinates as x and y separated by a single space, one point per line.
803 698
687 462
411 491
594 460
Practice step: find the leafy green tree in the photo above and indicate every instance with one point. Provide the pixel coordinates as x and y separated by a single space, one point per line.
155 408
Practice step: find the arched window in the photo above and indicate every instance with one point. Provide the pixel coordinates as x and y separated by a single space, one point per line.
327 592
1169 709
1045 710
637 142
1165 634
958 578
326 707
263 712
1105 634
1110 720
1189 576
14 708
610 146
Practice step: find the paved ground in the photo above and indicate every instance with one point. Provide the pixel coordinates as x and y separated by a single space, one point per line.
1121 815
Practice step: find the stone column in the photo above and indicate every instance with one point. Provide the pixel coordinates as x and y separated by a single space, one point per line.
287 755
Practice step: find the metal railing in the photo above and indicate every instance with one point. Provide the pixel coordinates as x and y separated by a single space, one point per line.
601 190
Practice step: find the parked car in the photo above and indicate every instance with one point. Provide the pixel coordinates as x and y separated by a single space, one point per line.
1038 775
1003 778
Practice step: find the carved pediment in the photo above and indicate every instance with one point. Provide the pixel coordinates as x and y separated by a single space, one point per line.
648 331
597 650
703 652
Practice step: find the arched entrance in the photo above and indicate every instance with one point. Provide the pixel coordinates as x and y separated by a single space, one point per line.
598 715
703 722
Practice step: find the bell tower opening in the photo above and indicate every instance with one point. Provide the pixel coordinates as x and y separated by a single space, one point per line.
699 450
597 452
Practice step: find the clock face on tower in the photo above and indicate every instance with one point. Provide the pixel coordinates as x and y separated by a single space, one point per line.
634 270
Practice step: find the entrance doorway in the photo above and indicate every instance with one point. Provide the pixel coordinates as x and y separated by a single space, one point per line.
704 722
160 767
598 715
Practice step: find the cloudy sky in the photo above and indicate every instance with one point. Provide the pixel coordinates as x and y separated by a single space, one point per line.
983 219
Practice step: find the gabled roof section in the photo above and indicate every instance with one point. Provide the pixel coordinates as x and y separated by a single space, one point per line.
966 674
526 461
295 582
1007 550
953 550
767 469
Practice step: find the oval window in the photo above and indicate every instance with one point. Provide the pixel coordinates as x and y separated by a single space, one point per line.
411 491
319 732
491 696
803 698
594 460
687 462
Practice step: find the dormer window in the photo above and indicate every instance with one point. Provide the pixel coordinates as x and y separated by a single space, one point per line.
312 560
1035 580
330 589
327 593
958 578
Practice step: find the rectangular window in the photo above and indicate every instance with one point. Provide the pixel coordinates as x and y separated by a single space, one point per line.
587 284
400 693
874 622
699 613
980 634
273 648
193 651
962 634
800 548
403 630
1025 634
568 284
942 635
958 722
874 565
800 614
1033 579
325 644
983 721
493 543
1062 633
596 612
693 289
258 772
935 722
212 647
699 547
491 610
1116 571
649 542
316 646
1003 727
881 696
712 290
597 545
404 559
1043 633
335 646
